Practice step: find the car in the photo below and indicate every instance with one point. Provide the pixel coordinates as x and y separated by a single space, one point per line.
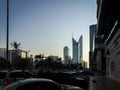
2 76
39 84
86 72
11 76
65 78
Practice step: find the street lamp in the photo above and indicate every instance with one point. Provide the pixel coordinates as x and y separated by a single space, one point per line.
7 36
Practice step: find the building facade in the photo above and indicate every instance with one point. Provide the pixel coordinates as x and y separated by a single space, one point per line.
3 53
80 49
12 54
99 54
108 26
75 51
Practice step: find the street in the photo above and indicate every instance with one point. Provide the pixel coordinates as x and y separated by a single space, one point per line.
103 83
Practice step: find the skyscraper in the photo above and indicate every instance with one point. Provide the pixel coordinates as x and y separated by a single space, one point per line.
66 55
80 49
77 50
92 43
92 36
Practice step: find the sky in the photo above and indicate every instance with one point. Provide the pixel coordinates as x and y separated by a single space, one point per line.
47 26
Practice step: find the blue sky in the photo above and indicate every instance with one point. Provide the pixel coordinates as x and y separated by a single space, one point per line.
46 26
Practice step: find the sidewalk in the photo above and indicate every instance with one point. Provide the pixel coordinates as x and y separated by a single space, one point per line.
103 83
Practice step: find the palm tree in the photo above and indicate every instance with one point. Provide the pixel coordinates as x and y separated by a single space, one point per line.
16 47
39 57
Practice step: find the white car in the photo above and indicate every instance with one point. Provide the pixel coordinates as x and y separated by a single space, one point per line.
39 84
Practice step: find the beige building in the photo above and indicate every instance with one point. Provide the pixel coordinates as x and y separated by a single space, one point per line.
3 53
13 54
113 56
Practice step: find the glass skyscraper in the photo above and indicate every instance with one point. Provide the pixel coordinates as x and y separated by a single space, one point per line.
92 32
77 50
92 36
80 49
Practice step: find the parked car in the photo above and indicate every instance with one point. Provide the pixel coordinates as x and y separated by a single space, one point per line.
65 78
14 75
39 84
86 72
2 76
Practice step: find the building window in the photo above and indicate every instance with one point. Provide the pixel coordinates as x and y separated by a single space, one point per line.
112 65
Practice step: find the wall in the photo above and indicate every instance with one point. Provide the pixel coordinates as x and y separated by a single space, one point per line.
113 57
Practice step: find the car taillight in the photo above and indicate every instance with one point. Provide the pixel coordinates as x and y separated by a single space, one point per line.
5 82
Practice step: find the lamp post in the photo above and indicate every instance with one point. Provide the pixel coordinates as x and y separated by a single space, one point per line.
7 36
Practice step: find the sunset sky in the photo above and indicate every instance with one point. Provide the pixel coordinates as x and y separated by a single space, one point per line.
47 26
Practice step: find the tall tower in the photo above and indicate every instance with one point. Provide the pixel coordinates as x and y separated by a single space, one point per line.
66 55
80 49
92 43
92 36
75 51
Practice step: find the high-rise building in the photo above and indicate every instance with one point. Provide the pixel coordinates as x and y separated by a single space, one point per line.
66 55
3 53
77 50
80 49
92 36
92 43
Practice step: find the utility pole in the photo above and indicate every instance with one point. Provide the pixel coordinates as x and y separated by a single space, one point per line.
7 33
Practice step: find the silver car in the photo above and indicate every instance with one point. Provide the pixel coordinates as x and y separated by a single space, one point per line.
2 77
9 76
39 84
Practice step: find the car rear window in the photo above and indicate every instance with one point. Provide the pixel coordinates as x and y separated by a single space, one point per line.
19 75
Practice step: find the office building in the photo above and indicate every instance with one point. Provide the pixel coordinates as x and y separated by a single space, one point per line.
80 49
66 55
92 35
77 50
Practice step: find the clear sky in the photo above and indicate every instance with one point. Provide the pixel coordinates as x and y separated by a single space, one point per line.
46 26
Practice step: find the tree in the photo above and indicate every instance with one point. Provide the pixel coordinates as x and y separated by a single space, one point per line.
22 63
4 64
49 64
39 57
16 47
